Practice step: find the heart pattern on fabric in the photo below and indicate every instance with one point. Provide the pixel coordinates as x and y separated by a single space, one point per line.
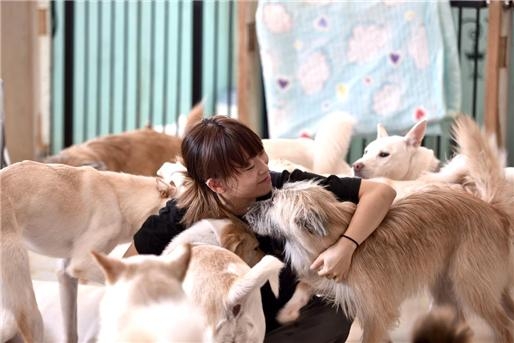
419 114
283 83
322 23
394 57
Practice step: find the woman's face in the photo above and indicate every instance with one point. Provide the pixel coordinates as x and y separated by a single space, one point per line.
251 182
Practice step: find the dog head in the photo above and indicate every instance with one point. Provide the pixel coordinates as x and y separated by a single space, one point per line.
396 157
303 214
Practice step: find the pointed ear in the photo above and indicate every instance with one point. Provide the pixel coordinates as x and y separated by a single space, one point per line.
166 189
416 133
215 185
111 267
178 260
230 242
381 131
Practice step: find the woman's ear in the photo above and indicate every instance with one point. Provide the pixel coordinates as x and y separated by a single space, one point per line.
215 185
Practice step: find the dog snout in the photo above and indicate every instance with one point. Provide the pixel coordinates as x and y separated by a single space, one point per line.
357 166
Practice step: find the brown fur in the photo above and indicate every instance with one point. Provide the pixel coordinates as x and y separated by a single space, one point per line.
433 238
441 325
140 152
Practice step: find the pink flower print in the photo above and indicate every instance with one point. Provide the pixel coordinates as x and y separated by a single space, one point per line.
276 18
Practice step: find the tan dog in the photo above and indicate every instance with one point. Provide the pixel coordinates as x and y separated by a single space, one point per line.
231 234
435 238
144 300
139 152
65 212
228 292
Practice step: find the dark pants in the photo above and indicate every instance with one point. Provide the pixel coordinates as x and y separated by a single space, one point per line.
319 322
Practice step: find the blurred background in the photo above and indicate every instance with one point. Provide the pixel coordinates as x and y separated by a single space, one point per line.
74 70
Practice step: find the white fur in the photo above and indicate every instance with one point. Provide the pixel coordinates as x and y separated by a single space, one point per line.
228 292
323 155
396 157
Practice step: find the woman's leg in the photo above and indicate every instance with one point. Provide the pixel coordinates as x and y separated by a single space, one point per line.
319 322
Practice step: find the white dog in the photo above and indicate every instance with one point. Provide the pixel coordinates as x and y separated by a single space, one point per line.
396 157
65 212
228 292
144 300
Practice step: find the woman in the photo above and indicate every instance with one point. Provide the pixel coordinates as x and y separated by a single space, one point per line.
228 172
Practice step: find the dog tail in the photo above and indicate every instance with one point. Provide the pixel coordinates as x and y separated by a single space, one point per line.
332 142
441 326
267 269
485 163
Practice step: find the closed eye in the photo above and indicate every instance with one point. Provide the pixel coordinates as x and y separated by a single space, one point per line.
383 154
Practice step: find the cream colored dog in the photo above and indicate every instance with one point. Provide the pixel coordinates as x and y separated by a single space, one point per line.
396 157
65 212
227 291
144 300
448 240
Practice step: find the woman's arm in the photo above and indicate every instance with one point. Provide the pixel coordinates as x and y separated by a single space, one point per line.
375 199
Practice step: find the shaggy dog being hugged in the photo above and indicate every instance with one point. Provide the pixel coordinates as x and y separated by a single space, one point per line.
457 245
64 212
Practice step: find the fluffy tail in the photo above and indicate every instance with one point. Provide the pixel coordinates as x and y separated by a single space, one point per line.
440 326
332 142
485 164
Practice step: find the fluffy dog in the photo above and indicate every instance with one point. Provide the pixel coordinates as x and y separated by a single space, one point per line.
231 234
227 291
396 157
144 300
65 212
435 238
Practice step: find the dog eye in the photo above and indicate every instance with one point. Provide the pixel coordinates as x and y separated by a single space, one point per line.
383 154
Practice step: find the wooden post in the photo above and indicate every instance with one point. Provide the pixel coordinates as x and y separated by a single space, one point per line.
249 91
496 78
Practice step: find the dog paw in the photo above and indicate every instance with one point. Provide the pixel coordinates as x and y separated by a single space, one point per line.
287 315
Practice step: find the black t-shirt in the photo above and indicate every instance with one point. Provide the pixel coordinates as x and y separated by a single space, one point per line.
158 230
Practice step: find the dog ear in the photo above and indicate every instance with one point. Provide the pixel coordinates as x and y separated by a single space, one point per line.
416 134
381 131
179 259
111 267
167 190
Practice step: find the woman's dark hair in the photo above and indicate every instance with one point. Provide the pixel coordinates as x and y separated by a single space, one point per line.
217 147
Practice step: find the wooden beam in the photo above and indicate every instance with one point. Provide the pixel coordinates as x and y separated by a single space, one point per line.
496 84
249 91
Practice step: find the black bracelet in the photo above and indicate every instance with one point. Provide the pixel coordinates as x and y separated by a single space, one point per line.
351 239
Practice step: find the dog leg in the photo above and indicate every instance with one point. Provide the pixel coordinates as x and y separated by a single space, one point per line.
17 292
443 295
291 310
68 296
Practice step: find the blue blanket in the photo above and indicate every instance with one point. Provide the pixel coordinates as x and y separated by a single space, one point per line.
391 62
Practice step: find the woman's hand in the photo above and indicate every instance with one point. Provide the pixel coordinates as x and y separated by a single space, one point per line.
334 263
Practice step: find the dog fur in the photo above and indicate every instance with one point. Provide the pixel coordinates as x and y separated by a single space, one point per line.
139 152
231 234
144 300
396 157
441 325
227 291
434 238
65 212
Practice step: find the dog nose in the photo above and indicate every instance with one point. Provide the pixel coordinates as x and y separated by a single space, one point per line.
357 166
